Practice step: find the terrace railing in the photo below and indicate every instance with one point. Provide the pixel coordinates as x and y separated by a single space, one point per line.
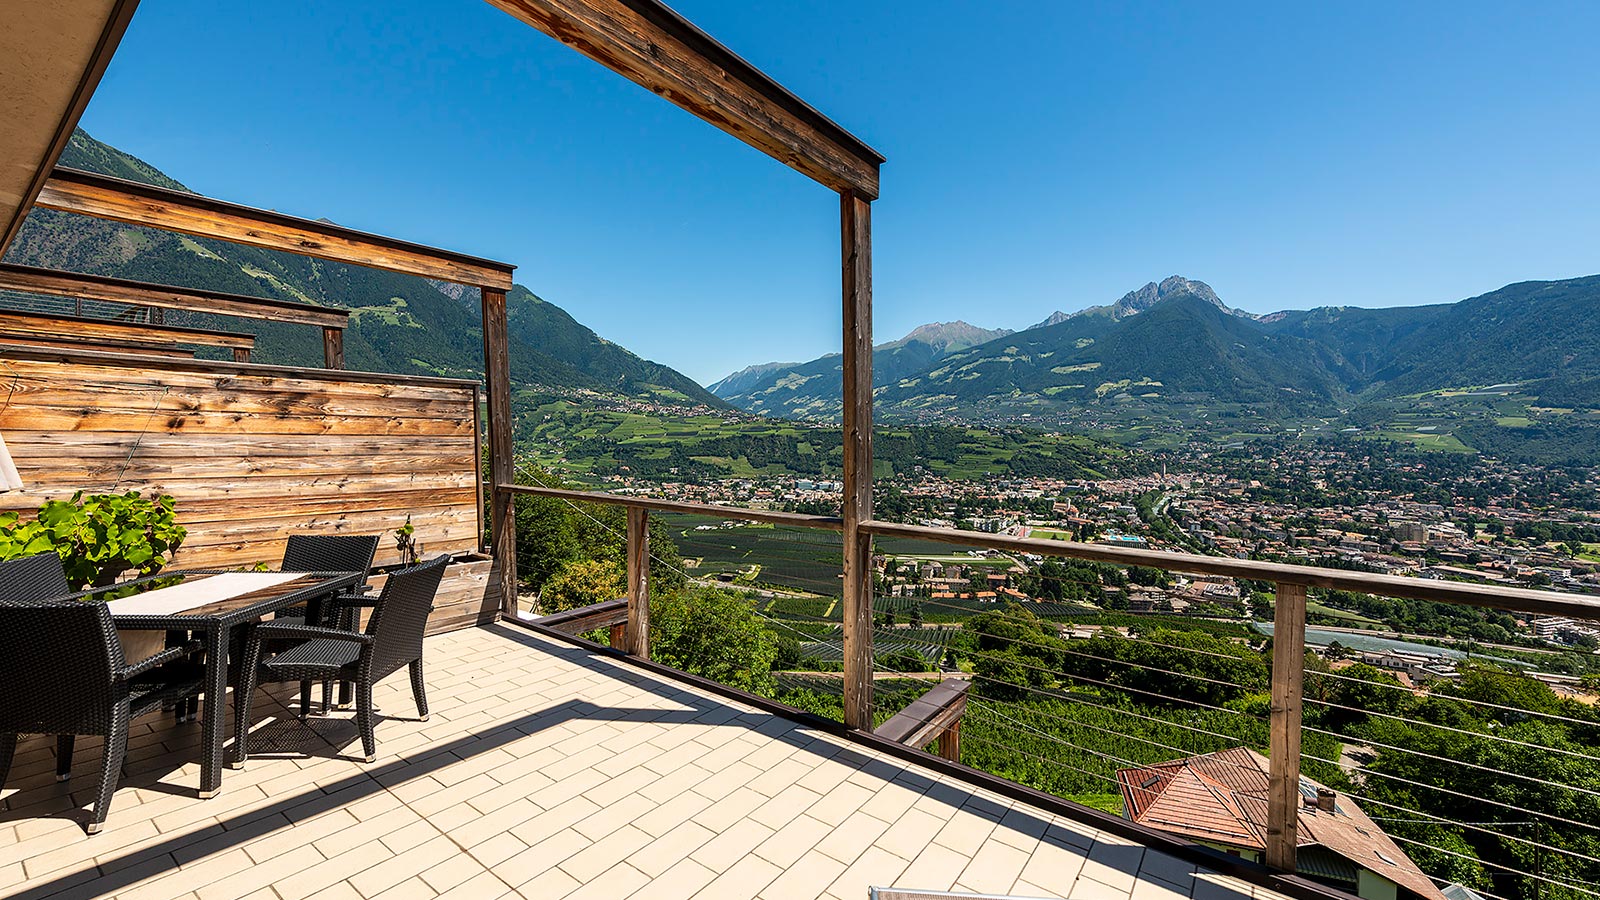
1288 668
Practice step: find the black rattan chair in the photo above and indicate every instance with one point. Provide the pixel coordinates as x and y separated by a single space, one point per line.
331 553
62 672
38 577
392 641
327 553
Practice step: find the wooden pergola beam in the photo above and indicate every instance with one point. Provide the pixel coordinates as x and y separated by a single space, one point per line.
32 280
118 200
82 328
855 214
648 43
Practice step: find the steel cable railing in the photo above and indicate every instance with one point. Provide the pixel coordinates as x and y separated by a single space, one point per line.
1124 672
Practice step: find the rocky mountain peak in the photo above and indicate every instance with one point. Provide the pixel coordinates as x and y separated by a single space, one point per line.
948 336
1135 302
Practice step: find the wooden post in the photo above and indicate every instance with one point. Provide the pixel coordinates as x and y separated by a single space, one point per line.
497 380
950 742
619 636
638 582
333 347
856 232
241 354
1288 673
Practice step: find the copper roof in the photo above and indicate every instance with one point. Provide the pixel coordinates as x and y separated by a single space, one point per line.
1222 798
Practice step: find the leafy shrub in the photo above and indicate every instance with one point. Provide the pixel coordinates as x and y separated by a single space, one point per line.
581 583
98 537
714 634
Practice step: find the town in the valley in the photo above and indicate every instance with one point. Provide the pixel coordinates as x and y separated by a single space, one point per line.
1350 504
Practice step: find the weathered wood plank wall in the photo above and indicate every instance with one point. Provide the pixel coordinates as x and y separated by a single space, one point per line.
253 454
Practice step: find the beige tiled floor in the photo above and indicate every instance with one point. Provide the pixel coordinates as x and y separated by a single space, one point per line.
546 772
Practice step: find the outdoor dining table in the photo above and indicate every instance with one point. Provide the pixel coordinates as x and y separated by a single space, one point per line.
211 604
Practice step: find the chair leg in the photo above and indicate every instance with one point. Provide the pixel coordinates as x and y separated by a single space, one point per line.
8 747
348 621
64 743
305 700
419 690
364 716
110 768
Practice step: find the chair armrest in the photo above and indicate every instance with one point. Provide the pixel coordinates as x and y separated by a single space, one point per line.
171 654
353 599
268 630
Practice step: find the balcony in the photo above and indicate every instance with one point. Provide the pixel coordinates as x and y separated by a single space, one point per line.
556 767
548 770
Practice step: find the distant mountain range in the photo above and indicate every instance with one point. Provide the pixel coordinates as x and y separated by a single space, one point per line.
811 390
1172 355
398 323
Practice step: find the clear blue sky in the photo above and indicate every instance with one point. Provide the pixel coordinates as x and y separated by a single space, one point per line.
1042 155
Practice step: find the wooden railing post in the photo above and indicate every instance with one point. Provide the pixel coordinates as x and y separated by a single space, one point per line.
497 380
333 347
638 582
1288 673
950 742
856 232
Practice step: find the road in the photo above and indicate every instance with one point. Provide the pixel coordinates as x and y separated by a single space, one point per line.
1402 636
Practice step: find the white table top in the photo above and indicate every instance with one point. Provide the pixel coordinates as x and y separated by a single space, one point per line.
197 593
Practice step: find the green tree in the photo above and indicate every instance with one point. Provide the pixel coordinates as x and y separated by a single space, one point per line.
715 634
581 582
1015 652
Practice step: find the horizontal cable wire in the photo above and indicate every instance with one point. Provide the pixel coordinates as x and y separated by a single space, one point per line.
1070 698
1585 887
1054 762
1469 797
1048 736
1142 740
1132 690
1434 819
1454 762
1450 728
1115 635
1590 723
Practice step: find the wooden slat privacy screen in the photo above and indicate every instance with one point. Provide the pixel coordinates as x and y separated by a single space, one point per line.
252 454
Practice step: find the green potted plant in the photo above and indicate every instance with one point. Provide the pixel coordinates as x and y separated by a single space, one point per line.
100 538
405 541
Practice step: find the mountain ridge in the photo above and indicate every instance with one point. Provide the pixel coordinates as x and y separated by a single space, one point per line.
809 388
1172 356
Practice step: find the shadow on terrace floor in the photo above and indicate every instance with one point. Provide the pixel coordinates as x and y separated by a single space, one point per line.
535 748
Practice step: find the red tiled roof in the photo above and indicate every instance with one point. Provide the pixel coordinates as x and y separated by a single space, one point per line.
1222 797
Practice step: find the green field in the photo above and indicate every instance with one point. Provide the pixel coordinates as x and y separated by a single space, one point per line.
785 557
583 442
1354 619
1424 440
